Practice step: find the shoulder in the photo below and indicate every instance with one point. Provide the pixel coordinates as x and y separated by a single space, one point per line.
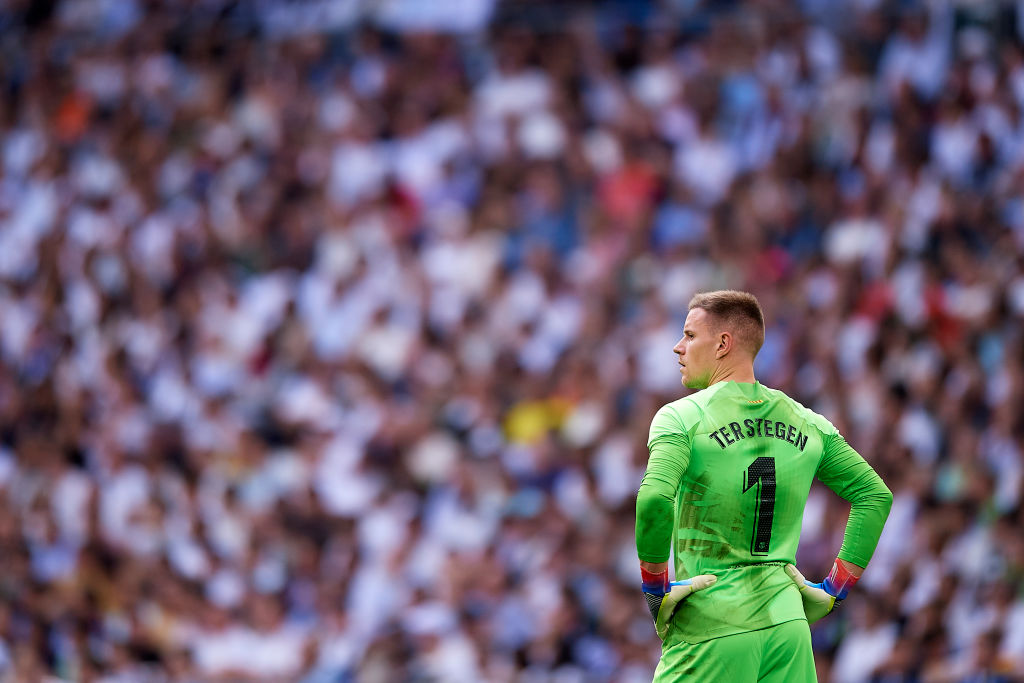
817 420
688 410
704 397
678 416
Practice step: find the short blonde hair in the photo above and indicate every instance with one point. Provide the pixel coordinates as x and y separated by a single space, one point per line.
739 310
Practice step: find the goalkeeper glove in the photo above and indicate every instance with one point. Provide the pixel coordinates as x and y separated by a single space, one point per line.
663 597
821 598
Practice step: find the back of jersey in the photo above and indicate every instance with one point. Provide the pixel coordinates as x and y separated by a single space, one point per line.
753 454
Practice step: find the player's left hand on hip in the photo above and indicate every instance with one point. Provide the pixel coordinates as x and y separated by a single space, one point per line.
663 597
822 598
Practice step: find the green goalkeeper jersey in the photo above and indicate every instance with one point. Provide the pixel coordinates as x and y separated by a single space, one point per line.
726 484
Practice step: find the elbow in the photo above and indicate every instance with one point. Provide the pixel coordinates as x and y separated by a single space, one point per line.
879 499
886 496
883 500
645 500
651 507
653 524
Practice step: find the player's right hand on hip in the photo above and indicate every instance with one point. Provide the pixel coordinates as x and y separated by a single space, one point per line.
817 601
664 605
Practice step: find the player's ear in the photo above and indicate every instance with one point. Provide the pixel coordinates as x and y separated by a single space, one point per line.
725 342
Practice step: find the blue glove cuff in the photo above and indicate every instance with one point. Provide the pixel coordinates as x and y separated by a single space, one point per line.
834 590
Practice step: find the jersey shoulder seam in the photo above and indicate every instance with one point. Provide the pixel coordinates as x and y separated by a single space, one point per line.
696 405
778 393
709 395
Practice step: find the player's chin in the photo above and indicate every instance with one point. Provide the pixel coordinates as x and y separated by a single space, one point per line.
691 383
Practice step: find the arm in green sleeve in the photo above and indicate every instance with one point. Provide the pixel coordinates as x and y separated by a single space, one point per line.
844 471
670 454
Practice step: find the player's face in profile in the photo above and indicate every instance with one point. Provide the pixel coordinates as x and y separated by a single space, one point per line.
696 350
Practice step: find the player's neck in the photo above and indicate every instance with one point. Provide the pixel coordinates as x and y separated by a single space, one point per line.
733 373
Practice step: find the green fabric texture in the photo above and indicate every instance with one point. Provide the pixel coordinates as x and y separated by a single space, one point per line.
780 654
726 484
845 472
656 499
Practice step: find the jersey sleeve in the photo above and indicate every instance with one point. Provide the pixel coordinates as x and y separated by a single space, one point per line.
844 471
669 447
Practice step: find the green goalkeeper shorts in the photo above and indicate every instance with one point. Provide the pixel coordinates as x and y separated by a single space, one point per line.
779 654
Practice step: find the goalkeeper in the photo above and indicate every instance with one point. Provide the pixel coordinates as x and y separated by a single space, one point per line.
729 472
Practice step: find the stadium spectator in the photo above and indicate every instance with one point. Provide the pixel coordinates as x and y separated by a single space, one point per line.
323 350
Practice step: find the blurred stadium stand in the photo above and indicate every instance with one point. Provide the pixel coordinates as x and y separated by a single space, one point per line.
331 331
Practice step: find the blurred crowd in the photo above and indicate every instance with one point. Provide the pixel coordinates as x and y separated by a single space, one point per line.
331 357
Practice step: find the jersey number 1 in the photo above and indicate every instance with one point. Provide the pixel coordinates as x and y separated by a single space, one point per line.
762 473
